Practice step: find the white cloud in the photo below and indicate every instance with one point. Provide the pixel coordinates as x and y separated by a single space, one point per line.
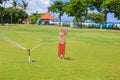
34 6
39 6
9 3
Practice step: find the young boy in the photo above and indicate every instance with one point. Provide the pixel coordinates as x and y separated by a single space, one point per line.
61 43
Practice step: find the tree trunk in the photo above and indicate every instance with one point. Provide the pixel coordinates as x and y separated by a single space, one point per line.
11 18
105 17
77 21
80 20
2 20
59 21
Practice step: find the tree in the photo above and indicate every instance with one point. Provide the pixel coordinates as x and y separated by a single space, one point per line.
19 15
114 7
0 1
2 7
22 15
25 4
13 15
34 17
2 14
76 8
96 17
57 7
103 6
14 4
10 11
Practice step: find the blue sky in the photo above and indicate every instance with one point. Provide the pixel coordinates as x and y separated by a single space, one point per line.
41 6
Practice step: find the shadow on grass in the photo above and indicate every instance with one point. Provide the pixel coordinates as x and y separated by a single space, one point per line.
68 58
33 61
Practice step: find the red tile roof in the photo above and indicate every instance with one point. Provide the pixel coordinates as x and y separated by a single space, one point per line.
47 16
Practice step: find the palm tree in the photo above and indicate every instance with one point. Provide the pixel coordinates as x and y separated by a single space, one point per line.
11 11
14 3
25 4
2 7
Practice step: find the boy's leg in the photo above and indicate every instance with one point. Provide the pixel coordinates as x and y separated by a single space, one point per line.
58 56
59 50
63 56
63 51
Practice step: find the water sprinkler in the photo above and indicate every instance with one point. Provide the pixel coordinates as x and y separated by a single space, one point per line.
28 55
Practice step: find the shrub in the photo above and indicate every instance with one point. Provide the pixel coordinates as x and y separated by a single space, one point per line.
87 25
115 26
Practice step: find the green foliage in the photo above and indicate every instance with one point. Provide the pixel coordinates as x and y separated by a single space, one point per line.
115 26
87 26
2 7
34 17
0 1
76 8
13 15
83 19
107 6
97 4
14 4
96 17
116 8
66 24
25 4
57 7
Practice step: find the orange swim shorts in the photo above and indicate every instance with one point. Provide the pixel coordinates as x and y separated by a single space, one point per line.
61 48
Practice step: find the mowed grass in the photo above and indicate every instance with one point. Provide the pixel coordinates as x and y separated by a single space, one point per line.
91 54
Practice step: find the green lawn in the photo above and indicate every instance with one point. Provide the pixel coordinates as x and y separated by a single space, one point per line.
91 54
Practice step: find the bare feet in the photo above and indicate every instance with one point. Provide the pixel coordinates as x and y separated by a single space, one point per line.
63 59
58 58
